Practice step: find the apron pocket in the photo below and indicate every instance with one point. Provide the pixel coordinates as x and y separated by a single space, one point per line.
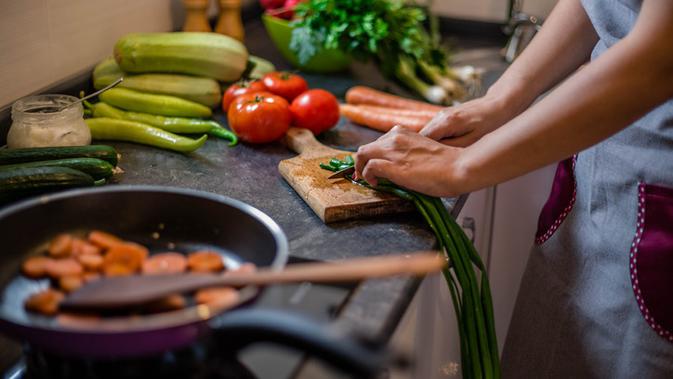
560 201
651 258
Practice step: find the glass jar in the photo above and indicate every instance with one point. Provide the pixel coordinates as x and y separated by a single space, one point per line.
36 122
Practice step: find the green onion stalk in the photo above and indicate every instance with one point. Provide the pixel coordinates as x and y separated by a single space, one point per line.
465 276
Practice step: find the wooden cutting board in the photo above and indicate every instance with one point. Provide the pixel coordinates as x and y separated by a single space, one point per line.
331 199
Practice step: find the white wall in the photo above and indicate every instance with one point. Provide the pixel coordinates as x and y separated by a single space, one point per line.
45 41
488 10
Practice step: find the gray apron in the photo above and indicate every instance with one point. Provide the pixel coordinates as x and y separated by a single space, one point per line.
596 299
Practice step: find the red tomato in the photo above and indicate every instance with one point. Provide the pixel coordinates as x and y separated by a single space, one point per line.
259 117
285 84
238 89
316 110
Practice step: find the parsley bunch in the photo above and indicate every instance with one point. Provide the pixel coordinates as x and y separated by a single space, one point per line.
390 32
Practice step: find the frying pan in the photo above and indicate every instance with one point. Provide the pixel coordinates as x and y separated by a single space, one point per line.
162 218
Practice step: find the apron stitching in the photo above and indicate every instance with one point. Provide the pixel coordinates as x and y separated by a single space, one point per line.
634 270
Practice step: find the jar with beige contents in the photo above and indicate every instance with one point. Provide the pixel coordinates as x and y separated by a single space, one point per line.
41 121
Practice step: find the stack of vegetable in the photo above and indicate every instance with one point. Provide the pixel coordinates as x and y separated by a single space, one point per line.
389 32
32 171
465 276
170 85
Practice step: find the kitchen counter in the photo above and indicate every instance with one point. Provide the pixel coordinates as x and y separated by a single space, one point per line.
249 173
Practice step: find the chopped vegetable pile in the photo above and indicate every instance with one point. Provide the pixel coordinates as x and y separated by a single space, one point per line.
466 277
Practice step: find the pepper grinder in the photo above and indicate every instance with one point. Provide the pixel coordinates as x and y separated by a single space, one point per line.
230 22
196 18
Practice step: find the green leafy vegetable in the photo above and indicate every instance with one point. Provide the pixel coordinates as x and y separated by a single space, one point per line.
388 32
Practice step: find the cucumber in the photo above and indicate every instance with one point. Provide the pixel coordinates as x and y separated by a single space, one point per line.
34 154
202 54
97 168
34 180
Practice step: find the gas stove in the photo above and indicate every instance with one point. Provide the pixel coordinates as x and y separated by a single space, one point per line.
207 358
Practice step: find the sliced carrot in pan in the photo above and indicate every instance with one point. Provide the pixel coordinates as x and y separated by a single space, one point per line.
168 303
129 255
205 261
45 302
60 246
165 263
58 268
35 267
104 240
70 283
90 276
82 247
91 262
221 297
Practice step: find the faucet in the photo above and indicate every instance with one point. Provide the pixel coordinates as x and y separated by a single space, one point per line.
521 29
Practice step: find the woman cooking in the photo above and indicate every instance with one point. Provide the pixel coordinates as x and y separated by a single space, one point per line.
595 297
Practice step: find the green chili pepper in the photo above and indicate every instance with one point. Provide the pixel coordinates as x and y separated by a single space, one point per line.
335 163
328 167
123 130
169 124
164 105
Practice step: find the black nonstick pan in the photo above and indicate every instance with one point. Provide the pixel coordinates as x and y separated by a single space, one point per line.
161 218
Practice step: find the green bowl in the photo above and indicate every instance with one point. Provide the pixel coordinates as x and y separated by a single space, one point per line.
324 61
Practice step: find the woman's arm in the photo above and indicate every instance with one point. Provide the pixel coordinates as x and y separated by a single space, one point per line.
564 43
627 81
623 84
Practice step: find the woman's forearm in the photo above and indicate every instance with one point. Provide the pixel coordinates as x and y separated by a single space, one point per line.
627 81
564 43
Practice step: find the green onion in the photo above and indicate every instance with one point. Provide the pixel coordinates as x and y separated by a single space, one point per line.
471 298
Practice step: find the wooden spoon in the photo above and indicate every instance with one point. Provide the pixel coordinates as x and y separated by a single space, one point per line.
124 292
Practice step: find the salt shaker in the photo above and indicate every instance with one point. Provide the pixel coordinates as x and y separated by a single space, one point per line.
196 18
230 22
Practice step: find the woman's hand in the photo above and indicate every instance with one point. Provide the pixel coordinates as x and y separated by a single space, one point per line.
413 162
465 124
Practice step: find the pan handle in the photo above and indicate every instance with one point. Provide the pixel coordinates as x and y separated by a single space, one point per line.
241 328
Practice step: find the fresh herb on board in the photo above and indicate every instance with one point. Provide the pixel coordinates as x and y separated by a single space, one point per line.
465 275
391 33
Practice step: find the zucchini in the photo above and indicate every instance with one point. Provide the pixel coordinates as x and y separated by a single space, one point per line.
202 54
261 68
204 91
34 180
34 154
97 168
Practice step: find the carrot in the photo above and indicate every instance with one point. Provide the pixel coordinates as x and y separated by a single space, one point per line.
129 255
60 246
45 302
104 240
82 247
381 121
58 268
70 283
367 95
35 267
91 262
165 263
117 269
205 261
221 297
424 114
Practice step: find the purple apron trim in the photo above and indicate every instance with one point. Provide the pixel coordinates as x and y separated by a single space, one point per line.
651 256
560 201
